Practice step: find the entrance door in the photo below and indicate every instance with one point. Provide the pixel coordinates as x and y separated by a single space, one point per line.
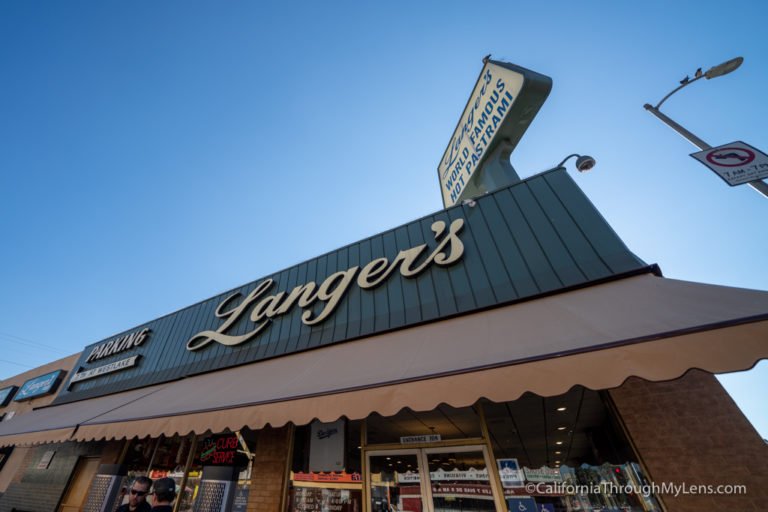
445 479
395 481
77 491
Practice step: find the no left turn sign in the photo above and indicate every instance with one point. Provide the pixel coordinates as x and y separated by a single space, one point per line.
737 163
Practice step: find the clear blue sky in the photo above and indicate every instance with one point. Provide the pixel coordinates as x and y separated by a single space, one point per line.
154 154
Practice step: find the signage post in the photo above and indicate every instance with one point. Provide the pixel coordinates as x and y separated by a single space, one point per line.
737 162
757 184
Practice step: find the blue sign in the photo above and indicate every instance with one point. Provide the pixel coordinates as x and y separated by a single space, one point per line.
6 394
42 385
522 505
510 473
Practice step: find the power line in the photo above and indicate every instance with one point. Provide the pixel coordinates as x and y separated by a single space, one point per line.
30 343
17 364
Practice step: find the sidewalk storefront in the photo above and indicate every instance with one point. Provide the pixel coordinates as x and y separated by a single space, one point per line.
509 353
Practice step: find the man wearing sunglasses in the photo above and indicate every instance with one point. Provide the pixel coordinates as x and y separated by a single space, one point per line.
137 496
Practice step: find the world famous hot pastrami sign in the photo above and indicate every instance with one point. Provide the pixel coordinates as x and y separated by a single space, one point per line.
503 103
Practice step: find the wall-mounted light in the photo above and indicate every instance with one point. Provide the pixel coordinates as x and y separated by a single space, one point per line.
583 162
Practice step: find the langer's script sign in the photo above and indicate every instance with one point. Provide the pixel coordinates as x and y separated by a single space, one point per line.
261 308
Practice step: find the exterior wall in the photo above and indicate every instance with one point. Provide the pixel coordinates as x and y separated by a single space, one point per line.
66 364
270 466
689 431
40 490
12 466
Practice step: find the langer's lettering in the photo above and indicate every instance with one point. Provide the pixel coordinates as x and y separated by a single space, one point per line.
261 308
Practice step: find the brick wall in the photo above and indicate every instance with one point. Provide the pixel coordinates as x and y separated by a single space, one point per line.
40 490
690 431
269 467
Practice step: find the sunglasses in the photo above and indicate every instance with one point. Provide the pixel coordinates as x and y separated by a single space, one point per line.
139 493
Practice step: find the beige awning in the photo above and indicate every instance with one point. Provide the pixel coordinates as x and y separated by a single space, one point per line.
657 361
58 423
643 326
597 337
44 436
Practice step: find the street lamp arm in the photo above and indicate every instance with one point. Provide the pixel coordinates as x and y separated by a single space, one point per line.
686 83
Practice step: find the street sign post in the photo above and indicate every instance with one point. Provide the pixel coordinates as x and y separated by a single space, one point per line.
736 163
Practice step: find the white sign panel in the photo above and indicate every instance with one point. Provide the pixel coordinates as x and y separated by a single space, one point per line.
326 449
490 102
737 163
107 368
45 461
430 438
470 475
543 474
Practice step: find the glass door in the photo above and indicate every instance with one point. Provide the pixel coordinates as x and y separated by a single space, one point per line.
460 479
445 479
395 481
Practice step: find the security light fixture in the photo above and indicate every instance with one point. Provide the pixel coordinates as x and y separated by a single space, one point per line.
583 162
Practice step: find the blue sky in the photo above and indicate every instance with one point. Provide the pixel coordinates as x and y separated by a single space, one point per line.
156 153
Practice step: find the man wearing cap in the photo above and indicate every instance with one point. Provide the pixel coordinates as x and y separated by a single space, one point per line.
164 492
137 496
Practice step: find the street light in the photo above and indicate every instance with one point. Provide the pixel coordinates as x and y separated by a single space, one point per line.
713 72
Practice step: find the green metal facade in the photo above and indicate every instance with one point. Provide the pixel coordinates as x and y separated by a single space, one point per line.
540 236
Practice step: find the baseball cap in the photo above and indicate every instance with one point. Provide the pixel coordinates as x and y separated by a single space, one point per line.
164 486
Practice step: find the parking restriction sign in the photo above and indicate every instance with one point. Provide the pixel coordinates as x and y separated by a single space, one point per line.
737 163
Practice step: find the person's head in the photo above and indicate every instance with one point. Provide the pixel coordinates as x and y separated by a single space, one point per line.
164 491
137 494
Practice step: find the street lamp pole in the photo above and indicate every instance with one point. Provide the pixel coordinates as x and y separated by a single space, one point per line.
714 72
678 128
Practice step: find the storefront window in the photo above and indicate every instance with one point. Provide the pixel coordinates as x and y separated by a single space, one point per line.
434 460
170 460
139 456
326 468
169 457
453 478
460 480
158 458
564 453
395 482
232 452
